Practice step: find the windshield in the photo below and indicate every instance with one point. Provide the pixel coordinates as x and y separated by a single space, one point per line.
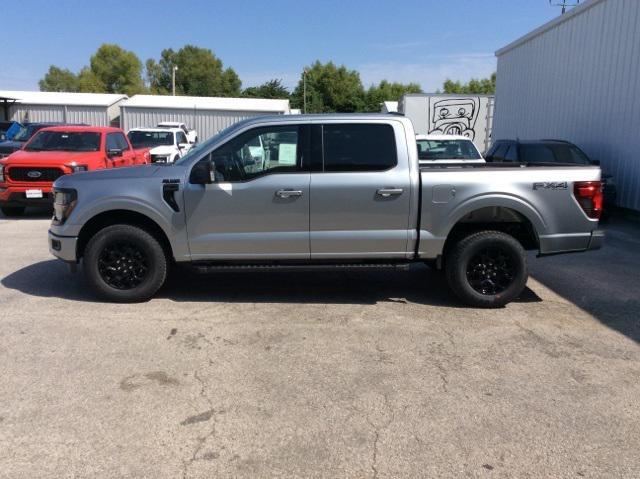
146 139
447 150
64 141
26 132
555 153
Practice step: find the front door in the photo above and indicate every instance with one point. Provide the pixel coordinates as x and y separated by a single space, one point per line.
360 194
258 207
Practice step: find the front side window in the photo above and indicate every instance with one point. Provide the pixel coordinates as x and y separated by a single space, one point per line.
64 141
258 152
181 138
358 147
121 141
112 143
447 150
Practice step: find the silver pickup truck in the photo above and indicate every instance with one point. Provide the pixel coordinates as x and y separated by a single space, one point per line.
321 190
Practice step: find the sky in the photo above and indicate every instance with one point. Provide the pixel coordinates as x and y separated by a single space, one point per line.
423 41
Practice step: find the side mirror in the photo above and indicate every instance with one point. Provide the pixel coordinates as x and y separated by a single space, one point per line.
182 146
114 152
203 173
595 162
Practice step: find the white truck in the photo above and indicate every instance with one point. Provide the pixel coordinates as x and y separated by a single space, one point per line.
446 149
166 144
192 135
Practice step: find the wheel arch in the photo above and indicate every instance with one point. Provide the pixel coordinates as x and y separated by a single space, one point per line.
122 216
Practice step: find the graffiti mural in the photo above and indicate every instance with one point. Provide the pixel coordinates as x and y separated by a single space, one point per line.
453 116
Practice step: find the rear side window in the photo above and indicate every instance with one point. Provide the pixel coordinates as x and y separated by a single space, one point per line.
359 147
536 154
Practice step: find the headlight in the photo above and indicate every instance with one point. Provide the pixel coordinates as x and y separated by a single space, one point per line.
64 201
1 173
77 168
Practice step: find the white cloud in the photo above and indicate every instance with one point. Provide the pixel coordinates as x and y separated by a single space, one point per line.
431 71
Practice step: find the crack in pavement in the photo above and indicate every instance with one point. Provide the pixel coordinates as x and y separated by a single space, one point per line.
205 416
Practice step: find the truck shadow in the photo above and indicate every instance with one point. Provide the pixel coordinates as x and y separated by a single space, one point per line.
418 285
604 283
30 214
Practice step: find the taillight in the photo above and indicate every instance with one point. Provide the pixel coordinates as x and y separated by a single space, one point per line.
589 196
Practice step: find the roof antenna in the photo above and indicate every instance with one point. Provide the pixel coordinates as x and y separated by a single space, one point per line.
564 4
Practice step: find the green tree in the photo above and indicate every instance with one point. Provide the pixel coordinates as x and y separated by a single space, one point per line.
112 70
200 73
483 86
270 89
385 91
329 88
59 79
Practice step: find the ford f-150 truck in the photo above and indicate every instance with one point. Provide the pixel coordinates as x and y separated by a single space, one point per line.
26 176
322 190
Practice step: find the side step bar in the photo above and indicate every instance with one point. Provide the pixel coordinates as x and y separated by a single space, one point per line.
217 267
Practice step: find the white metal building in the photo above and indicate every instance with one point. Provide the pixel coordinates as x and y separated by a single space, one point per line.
98 109
577 78
207 115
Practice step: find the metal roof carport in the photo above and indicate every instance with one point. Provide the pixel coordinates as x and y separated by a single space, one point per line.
207 115
97 109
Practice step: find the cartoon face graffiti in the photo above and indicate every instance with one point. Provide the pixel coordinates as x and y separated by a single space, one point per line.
454 116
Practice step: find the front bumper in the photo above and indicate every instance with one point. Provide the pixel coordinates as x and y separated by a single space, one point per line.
63 247
17 196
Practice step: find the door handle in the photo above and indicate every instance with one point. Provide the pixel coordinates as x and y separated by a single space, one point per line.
387 192
288 193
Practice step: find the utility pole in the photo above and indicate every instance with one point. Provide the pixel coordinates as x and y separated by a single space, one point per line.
564 4
173 79
304 90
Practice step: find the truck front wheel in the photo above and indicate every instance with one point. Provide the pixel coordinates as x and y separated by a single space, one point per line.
487 269
124 263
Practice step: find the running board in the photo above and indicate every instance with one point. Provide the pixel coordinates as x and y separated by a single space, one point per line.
216 267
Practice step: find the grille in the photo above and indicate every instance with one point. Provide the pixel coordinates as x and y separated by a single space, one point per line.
46 174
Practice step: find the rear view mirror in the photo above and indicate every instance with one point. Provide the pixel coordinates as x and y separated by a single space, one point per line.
203 173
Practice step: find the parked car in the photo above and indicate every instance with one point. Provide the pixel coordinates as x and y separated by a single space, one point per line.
23 135
8 129
446 149
332 190
549 152
192 135
26 176
166 144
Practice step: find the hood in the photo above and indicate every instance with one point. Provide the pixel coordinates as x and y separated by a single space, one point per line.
131 172
162 150
53 158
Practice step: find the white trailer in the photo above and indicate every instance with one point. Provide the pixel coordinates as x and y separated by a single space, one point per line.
470 116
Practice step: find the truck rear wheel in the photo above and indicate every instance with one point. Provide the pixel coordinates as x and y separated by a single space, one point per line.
124 263
12 211
487 269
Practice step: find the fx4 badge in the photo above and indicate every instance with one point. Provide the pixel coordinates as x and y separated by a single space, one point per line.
551 185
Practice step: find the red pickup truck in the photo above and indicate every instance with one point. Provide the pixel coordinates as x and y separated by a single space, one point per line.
27 175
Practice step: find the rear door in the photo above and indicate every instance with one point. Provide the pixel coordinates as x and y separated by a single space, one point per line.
258 208
360 191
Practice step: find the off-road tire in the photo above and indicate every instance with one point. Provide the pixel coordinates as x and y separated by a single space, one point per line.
146 250
461 268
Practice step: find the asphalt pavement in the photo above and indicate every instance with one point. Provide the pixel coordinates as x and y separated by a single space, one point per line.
366 373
